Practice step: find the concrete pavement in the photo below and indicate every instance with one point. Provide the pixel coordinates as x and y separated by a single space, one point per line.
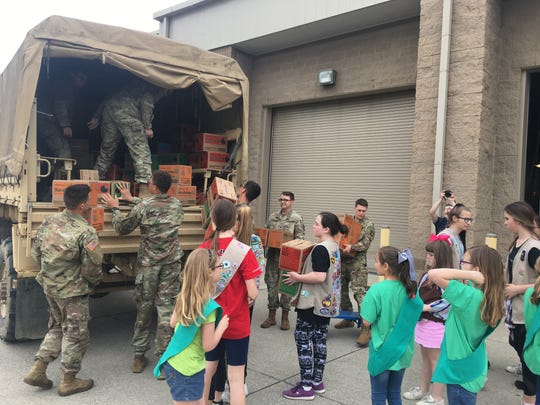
272 365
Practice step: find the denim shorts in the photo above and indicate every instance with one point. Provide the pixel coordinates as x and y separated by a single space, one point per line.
184 388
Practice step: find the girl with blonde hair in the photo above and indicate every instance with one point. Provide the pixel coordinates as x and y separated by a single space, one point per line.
193 318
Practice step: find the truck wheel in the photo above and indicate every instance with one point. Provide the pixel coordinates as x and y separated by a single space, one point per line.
7 292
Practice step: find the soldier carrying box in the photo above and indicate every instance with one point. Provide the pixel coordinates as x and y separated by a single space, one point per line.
287 220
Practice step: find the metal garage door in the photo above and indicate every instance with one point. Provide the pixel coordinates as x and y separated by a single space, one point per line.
330 154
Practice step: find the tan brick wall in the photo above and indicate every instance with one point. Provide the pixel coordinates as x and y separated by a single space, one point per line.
377 60
471 114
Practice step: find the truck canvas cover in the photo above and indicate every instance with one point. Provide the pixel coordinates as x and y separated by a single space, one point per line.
161 61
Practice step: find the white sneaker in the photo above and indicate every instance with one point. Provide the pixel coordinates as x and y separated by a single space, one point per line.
414 393
226 397
429 400
246 391
516 370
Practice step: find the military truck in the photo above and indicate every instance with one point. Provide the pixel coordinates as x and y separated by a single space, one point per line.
210 94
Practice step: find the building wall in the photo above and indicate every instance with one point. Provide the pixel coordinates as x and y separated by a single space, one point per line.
469 157
377 60
520 52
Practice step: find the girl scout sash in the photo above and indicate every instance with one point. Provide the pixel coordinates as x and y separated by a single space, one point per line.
395 345
460 371
234 255
184 335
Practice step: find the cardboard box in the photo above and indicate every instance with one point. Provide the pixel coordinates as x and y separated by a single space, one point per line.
186 194
97 218
86 174
294 253
355 229
209 231
208 160
180 174
276 237
221 188
210 143
59 186
186 133
115 190
169 159
263 234
205 214
283 288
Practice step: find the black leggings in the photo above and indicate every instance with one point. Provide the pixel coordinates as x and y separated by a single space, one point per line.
517 341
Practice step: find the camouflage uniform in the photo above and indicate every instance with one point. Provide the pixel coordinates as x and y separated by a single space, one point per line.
354 270
294 224
67 250
126 115
157 281
51 139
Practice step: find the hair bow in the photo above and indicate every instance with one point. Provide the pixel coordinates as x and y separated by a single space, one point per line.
442 236
406 255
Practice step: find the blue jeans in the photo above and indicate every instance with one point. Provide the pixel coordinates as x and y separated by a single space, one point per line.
457 395
387 385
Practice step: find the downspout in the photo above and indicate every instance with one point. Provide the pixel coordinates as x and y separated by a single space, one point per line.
165 27
442 99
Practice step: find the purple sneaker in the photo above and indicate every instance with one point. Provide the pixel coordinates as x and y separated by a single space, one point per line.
298 392
318 388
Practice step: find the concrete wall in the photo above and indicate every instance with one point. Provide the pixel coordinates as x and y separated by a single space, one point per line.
377 60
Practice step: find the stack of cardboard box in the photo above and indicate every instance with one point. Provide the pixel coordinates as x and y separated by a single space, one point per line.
181 187
292 257
210 151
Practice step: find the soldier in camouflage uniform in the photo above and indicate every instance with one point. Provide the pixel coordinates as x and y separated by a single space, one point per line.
157 281
354 270
128 115
67 249
56 113
288 220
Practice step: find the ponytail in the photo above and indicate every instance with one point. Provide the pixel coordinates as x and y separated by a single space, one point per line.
331 221
401 265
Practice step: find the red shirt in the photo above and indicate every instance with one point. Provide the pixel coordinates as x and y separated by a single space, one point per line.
234 299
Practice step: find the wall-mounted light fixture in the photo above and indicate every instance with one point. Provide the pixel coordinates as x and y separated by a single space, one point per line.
327 77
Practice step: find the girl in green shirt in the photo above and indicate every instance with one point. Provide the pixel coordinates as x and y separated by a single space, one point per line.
476 310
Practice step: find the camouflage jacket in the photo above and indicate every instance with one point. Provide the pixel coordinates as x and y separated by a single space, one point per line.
134 102
159 218
291 222
68 252
366 237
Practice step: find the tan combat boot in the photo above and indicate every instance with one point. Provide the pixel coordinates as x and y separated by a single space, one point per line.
144 191
139 363
285 320
70 385
38 376
364 338
271 320
344 324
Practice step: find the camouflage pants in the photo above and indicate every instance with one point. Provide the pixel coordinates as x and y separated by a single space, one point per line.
353 272
51 140
68 332
271 278
155 286
115 126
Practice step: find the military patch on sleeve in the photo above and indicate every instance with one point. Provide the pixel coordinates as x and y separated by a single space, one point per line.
92 245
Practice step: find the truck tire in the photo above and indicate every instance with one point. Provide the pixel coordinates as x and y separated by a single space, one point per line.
8 293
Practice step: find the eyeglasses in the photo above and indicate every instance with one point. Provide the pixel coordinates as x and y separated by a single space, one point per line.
462 262
466 220
283 200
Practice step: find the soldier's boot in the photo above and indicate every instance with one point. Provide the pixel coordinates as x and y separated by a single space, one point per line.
344 324
271 320
285 320
365 337
139 363
38 375
70 385
144 191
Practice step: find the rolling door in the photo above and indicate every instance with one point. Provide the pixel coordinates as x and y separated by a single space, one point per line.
330 154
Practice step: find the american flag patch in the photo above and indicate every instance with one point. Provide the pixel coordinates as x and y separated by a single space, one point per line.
92 245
